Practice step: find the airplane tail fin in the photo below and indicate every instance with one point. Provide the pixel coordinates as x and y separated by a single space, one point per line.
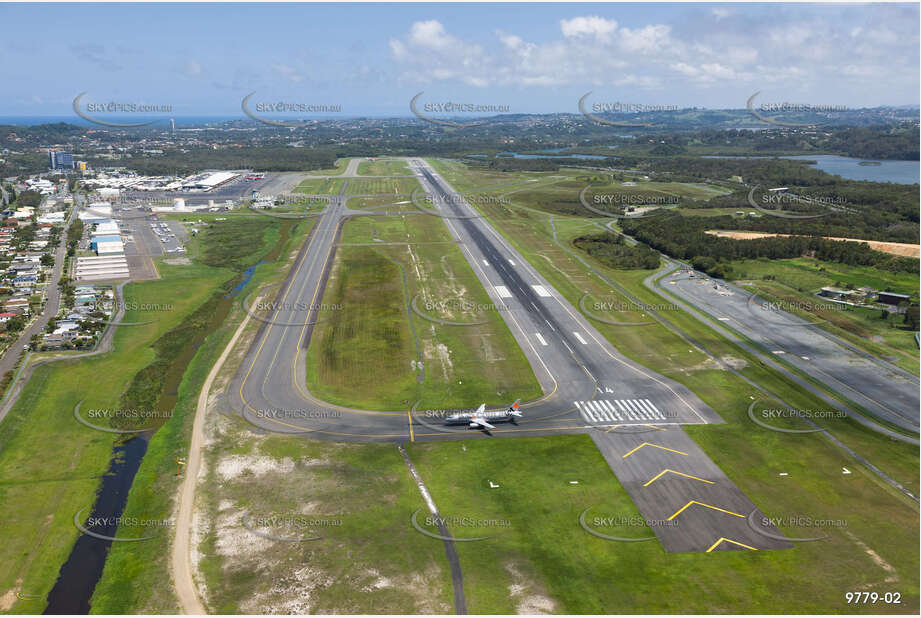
514 409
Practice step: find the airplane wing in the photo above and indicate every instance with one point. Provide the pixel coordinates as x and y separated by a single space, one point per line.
480 422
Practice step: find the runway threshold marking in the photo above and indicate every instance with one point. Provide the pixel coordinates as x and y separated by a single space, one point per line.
722 538
664 448
541 291
503 292
667 470
709 506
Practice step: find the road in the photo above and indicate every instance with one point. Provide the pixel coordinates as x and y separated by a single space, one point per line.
52 303
586 381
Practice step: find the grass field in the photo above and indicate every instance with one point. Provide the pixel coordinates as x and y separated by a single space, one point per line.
374 186
383 167
795 281
320 186
383 202
341 164
558 192
357 498
43 493
368 355
751 456
130 582
658 348
545 561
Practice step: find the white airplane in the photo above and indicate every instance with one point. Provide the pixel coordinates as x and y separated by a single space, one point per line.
481 418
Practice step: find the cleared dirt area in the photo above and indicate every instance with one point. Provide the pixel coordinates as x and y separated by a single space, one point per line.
892 248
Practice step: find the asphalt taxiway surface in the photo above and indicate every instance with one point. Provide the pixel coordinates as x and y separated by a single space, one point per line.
587 383
686 500
883 389
589 387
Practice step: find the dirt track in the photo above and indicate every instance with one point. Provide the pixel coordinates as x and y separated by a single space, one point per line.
892 248
181 564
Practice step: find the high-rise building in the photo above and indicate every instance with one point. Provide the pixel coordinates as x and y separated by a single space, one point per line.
60 160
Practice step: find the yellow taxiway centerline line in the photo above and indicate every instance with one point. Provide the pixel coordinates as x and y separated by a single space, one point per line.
655 445
715 508
722 538
696 478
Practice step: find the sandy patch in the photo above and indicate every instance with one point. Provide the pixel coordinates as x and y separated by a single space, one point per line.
233 466
888 568
291 594
8 600
527 600
892 248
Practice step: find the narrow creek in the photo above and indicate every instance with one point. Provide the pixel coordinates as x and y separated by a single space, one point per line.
83 568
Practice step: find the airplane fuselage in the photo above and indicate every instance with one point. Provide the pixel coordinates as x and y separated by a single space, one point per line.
465 418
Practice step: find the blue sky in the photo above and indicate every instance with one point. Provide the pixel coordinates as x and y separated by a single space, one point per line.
202 59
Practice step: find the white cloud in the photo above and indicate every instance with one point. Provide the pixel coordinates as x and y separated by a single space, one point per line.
289 73
587 26
787 52
645 40
192 69
430 34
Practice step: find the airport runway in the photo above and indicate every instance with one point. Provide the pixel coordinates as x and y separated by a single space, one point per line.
881 388
589 387
587 383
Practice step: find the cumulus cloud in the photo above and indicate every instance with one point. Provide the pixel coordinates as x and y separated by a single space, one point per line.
592 50
593 26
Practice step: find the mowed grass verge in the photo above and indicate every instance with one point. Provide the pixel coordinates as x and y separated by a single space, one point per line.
753 457
132 580
44 493
320 186
794 283
381 186
544 559
367 353
383 167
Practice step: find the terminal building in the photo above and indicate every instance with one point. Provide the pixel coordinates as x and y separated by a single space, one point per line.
208 181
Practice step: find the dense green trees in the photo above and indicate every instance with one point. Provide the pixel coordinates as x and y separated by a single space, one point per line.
612 250
686 238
